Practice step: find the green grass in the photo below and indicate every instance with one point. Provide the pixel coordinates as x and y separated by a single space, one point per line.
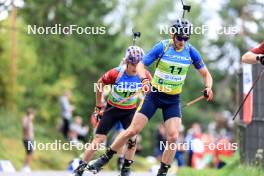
232 168
11 148
236 171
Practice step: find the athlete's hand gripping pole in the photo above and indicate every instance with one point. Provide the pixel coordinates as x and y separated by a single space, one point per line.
99 111
260 58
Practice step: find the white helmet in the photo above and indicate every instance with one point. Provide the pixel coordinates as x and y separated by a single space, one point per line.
134 54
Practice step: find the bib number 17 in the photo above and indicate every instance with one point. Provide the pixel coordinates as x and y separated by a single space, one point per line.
179 69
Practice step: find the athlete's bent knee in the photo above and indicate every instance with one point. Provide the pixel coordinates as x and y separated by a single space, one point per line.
99 139
130 132
172 137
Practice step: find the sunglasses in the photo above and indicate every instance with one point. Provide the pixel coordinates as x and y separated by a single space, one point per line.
180 38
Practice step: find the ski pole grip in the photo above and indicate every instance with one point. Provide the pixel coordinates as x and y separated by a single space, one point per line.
205 93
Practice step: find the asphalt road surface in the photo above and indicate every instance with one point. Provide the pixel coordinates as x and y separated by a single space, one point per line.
62 173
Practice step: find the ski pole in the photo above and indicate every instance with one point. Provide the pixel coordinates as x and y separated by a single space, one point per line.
254 84
193 101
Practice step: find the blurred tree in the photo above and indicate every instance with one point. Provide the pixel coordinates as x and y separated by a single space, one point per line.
76 59
49 64
245 19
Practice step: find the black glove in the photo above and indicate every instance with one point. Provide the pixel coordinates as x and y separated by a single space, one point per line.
97 117
260 58
205 93
99 111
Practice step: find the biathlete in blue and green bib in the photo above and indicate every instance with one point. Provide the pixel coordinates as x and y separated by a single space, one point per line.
174 57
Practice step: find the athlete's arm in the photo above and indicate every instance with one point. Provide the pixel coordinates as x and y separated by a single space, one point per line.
208 80
148 75
141 70
250 57
108 78
99 93
144 76
200 66
149 58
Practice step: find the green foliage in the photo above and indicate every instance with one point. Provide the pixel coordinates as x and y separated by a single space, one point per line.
47 65
232 168
11 146
5 68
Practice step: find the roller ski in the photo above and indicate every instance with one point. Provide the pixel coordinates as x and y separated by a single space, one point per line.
80 169
93 166
125 172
